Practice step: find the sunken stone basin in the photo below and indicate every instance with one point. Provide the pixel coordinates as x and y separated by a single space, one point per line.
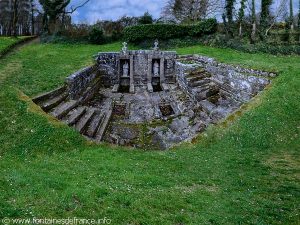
151 99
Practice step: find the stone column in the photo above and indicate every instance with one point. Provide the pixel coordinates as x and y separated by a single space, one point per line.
149 75
162 70
131 90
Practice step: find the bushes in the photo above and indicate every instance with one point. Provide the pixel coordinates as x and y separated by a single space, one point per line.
168 31
96 36
281 48
206 27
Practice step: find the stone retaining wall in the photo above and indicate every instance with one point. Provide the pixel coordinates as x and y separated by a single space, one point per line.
78 82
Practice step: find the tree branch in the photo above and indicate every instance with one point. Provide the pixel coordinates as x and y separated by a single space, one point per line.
77 7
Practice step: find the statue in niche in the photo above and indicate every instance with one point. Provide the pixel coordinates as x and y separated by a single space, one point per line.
125 69
156 69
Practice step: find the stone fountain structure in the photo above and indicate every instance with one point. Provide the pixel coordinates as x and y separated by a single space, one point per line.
151 99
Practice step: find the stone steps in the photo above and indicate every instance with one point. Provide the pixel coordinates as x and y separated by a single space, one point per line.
95 124
63 109
84 121
53 102
206 91
198 83
75 115
102 128
48 95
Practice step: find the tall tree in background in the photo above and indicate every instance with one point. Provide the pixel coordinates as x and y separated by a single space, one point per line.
33 10
229 8
190 10
15 17
299 19
279 14
241 16
253 21
291 19
146 19
52 9
265 15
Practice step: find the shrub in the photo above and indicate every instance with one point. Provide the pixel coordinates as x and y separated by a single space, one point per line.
146 19
168 31
205 27
96 36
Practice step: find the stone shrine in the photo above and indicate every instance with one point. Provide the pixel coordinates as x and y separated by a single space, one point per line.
151 99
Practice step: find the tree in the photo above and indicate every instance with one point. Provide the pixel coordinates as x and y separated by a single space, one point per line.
299 17
32 16
55 8
253 20
265 13
241 15
146 18
190 10
279 14
229 8
291 19
14 17
52 9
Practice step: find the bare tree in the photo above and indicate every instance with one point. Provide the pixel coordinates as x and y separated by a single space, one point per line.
241 15
191 10
253 20
291 19
53 9
279 13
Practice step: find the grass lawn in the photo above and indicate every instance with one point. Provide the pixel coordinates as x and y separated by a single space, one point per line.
246 170
6 42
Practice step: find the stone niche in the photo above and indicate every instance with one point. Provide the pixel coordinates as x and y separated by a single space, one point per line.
123 71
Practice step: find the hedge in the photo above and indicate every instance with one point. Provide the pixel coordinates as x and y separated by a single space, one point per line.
167 31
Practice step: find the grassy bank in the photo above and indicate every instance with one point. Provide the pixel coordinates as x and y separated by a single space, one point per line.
6 43
243 171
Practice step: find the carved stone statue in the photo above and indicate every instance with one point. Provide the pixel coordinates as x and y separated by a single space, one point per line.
156 69
124 49
156 48
125 69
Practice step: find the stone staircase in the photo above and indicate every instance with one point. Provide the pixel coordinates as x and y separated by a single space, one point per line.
201 85
89 121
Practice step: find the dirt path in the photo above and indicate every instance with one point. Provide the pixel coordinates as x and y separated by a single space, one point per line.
19 45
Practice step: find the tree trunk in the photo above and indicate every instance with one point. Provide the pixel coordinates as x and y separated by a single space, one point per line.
32 18
45 23
15 18
240 30
253 33
291 15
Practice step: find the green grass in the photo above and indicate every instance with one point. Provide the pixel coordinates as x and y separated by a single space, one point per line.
244 171
6 42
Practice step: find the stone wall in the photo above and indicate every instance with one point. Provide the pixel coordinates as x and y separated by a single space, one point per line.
240 84
109 65
182 71
78 82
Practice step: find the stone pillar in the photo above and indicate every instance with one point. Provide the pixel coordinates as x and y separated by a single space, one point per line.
149 75
162 70
131 90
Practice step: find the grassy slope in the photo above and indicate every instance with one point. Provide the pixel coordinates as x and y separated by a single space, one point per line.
8 41
244 171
